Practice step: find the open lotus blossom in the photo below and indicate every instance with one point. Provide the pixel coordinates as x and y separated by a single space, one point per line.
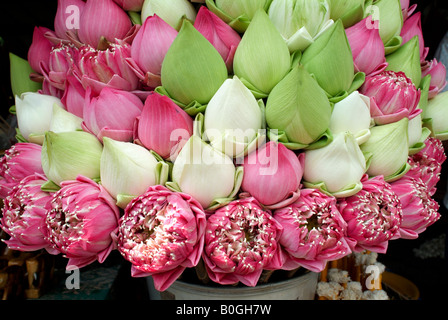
394 97
18 162
241 240
373 215
161 234
24 213
437 71
419 209
82 222
313 231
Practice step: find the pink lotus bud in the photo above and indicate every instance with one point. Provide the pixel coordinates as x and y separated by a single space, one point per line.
367 47
313 231
102 19
68 17
82 222
130 5
107 68
162 234
39 51
373 215
437 71
394 97
163 126
413 27
18 162
272 174
24 214
149 47
74 96
62 61
219 34
111 114
419 209
241 240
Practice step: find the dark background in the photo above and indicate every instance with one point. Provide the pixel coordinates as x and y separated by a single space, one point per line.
18 19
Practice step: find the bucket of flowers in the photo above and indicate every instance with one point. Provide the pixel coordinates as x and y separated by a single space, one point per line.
224 140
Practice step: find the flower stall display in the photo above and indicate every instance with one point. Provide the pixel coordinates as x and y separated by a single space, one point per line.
241 136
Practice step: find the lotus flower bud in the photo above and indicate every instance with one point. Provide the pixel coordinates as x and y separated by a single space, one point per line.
130 5
128 170
389 147
272 174
39 51
173 12
330 60
394 97
220 35
23 214
413 27
82 222
299 110
390 21
352 114
262 40
407 59
241 239
437 112
112 114
192 70
102 19
66 155
74 96
34 112
149 48
437 70
367 47
198 162
349 11
233 119
300 22
342 153
237 13
67 17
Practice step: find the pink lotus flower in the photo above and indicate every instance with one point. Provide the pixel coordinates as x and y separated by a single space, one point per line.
74 96
111 114
39 51
24 213
130 5
373 215
67 17
272 175
437 71
18 162
313 231
162 234
82 222
367 47
394 97
106 68
219 34
413 27
419 209
162 126
148 49
241 240
103 19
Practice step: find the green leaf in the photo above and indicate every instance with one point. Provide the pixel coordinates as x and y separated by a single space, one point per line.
20 76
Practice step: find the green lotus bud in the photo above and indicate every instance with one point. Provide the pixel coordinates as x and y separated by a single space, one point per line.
436 113
390 19
192 71
330 60
349 11
66 155
389 147
20 71
407 60
299 110
237 13
262 58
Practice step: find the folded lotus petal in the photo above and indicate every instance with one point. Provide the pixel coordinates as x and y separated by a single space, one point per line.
437 71
130 5
74 96
435 114
412 26
350 12
39 50
67 17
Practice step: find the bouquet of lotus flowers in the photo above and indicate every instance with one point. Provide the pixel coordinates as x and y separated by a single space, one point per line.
242 135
